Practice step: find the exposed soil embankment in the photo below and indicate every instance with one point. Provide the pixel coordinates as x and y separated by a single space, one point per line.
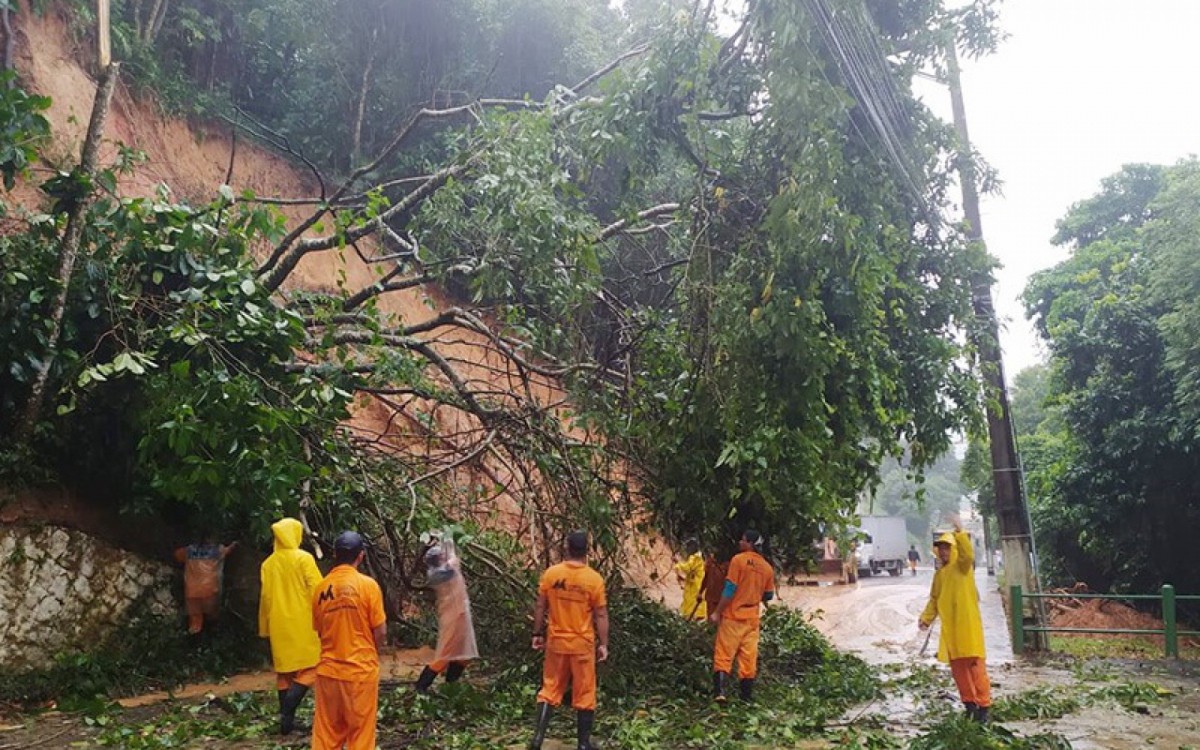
193 160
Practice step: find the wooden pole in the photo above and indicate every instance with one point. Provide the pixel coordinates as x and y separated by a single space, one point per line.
1012 513
104 46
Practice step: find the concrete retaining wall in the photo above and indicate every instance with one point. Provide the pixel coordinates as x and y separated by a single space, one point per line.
63 591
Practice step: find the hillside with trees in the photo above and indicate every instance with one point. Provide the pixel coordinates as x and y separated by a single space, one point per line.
1109 428
727 265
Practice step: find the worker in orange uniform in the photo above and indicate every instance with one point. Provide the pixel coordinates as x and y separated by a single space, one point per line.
456 632
954 598
749 584
572 594
203 574
289 576
690 574
347 613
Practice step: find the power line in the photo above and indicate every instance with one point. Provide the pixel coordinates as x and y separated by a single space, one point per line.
853 44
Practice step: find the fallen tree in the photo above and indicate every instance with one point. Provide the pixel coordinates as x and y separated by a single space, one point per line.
702 283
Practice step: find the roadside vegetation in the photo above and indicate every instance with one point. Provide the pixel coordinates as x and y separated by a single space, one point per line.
1108 427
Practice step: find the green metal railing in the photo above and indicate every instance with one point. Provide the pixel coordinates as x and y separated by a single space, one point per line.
1167 597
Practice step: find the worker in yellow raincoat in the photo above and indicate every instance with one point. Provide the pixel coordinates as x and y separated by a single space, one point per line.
690 574
456 633
289 576
954 598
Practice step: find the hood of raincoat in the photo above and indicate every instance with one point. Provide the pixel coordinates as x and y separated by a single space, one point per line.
288 534
947 538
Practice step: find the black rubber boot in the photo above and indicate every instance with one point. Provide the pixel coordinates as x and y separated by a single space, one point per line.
584 720
971 708
981 714
289 701
282 709
425 681
455 671
720 680
539 729
748 690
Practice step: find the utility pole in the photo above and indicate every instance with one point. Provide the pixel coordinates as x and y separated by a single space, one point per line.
103 35
1012 514
989 544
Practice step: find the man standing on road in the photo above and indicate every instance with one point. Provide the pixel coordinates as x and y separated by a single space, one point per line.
954 598
289 577
347 613
573 595
749 584
914 557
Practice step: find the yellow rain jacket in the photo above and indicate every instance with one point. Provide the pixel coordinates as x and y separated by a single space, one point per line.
954 598
289 577
692 570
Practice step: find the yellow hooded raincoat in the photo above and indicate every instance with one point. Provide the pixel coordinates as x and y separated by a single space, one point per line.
289 577
954 598
692 572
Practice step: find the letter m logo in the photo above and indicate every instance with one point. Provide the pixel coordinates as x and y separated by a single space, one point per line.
326 595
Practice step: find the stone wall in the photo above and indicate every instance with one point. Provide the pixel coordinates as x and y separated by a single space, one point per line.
62 590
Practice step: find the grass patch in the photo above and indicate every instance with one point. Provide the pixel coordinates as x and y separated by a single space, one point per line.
960 733
1054 702
148 653
1128 647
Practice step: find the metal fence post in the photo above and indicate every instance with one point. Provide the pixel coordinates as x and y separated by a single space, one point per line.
1169 629
1017 605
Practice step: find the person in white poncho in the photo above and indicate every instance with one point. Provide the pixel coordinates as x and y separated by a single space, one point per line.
456 633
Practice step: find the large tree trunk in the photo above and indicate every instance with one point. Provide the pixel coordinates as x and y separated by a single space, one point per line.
76 218
154 21
356 148
8 40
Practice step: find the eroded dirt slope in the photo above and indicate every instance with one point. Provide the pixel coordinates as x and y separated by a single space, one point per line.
194 159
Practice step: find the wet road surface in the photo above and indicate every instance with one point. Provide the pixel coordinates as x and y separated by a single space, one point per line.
877 619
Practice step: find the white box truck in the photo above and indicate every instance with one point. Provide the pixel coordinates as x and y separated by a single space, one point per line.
884 545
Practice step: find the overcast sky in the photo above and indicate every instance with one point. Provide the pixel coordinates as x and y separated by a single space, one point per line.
1079 88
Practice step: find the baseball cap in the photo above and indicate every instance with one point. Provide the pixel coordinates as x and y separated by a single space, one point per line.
349 541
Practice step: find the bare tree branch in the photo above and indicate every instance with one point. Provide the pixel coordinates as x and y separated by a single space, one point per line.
282 264
617 226
641 49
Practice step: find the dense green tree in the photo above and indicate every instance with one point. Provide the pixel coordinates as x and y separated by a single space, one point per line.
1172 239
336 77
736 251
1116 497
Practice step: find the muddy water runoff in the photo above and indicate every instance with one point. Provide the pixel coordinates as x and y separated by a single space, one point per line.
877 619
